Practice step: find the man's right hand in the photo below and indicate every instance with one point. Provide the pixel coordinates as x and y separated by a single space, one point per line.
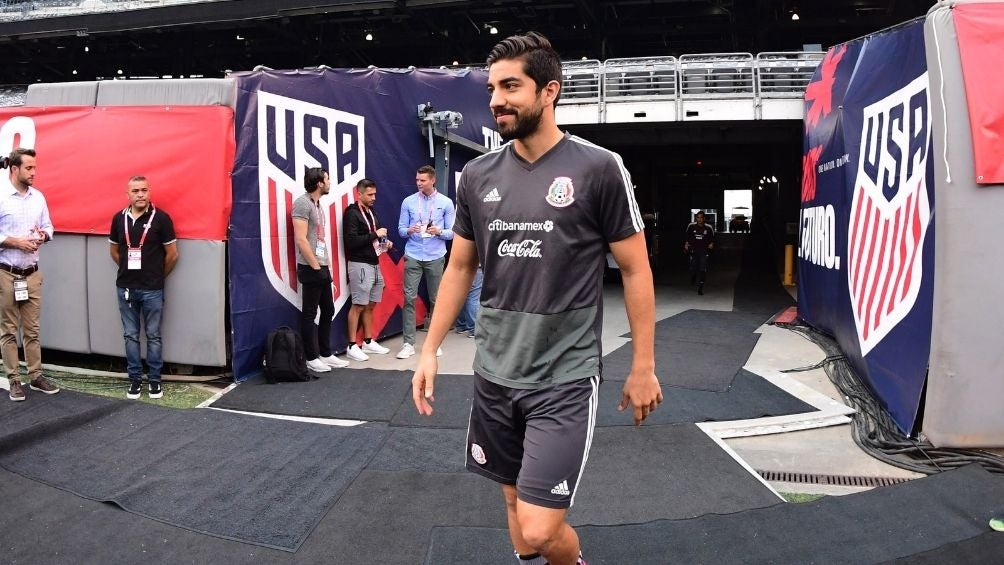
382 232
422 384
23 244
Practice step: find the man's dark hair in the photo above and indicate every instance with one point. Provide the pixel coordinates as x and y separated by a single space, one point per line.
699 213
15 157
362 185
137 178
427 170
540 61
314 176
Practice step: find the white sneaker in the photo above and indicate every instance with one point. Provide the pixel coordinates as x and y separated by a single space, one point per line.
407 351
318 366
374 347
439 352
333 361
355 353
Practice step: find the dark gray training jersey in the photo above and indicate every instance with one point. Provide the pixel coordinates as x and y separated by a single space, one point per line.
541 231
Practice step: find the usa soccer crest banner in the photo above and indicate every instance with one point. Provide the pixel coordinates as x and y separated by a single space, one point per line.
355 124
866 234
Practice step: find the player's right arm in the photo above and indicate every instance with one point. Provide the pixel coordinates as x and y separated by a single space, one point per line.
453 289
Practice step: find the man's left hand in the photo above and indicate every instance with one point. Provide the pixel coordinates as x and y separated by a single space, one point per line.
434 230
643 392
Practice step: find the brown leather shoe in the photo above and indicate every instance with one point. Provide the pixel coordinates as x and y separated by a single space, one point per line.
16 390
43 384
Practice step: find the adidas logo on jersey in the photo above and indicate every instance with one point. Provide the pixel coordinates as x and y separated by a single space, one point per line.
493 196
561 488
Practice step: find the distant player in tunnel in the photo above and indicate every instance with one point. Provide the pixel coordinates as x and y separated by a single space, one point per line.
700 240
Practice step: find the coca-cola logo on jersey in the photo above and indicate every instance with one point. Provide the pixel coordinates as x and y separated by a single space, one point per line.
527 248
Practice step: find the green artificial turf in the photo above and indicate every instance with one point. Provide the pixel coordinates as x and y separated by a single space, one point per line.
798 497
176 395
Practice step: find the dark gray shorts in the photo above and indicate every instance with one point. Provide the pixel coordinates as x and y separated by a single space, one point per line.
555 424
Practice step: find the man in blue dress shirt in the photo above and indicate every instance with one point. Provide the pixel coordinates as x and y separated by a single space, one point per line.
426 223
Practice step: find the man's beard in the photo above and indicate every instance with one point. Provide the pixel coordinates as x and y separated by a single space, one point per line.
523 126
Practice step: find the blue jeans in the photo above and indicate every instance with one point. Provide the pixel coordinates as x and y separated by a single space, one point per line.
469 313
149 303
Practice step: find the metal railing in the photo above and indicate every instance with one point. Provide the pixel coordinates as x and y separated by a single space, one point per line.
580 82
781 75
649 77
706 76
716 75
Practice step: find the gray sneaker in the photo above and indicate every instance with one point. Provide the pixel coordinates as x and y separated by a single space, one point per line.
42 384
16 390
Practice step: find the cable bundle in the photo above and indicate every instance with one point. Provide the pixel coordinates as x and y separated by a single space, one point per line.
873 429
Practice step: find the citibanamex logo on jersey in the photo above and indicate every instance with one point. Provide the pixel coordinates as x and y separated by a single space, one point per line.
559 194
528 248
292 136
503 225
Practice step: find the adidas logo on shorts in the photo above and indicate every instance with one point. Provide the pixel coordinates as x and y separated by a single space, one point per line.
493 196
561 488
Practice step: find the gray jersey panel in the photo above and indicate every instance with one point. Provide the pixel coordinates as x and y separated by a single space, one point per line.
542 231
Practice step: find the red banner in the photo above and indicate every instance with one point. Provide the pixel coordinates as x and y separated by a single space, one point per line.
980 28
87 155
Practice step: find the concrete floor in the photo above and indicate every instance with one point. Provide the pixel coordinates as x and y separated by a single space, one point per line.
814 443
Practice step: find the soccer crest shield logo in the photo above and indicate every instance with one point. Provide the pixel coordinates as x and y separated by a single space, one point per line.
294 136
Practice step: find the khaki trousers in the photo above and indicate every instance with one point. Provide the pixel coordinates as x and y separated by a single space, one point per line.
24 315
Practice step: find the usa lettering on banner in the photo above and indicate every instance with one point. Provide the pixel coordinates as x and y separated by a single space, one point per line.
890 212
292 136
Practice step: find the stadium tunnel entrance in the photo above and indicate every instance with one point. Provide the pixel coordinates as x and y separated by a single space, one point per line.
680 167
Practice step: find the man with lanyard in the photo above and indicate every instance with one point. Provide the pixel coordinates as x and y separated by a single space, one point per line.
700 240
24 227
143 246
427 223
312 256
539 214
364 240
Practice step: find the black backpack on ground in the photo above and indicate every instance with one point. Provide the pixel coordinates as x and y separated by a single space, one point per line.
284 358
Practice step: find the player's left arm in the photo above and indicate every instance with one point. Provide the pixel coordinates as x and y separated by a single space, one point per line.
641 390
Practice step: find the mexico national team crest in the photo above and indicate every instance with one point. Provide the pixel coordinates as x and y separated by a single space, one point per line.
559 194
293 136
890 212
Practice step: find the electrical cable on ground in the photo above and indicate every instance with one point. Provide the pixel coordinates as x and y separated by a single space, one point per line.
873 430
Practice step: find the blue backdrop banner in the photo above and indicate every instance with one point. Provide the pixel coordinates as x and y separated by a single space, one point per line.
355 124
866 234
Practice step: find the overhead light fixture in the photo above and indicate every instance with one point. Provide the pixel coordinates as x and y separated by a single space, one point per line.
773 178
794 16
87 49
74 71
120 71
240 37
455 63
493 30
369 37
